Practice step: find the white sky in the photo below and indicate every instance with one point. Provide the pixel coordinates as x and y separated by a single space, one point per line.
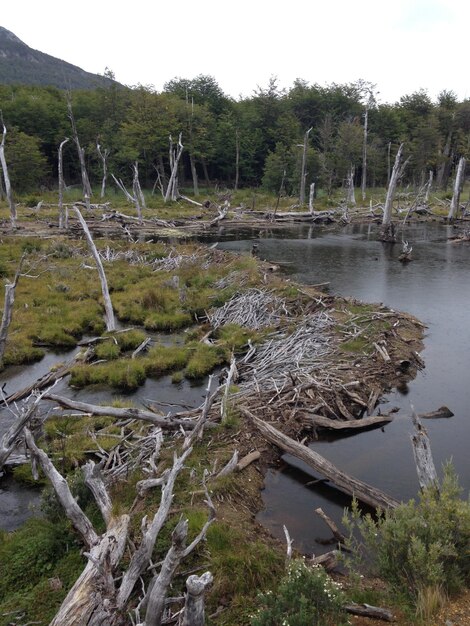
401 45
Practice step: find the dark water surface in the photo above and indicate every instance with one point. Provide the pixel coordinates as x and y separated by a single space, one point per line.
435 287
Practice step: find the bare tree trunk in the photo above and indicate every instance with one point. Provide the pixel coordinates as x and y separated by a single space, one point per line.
206 173
108 307
388 233
350 197
192 163
8 308
364 155
441 178
6 178
237 159
311 197
87 192
104 159
428 187
175 156
138 195
459 178
194 605
63 221
303 173
389 162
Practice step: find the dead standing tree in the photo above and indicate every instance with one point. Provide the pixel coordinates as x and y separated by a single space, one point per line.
8 308
104 160
387 233
87 191
137 197
459 179
108 307
303 173
175 155
6 176
63 214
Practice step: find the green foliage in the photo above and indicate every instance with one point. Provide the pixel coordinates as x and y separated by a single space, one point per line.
107 350
203 360
419 545
305 595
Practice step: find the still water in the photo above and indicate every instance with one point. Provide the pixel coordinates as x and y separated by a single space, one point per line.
435 287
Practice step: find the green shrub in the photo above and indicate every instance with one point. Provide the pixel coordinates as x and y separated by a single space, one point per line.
305 595
419 545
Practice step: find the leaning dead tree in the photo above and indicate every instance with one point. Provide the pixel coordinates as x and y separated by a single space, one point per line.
8 308
6 177
455 202
108 307
104 160
388 228
175 156
63 214
303 173
87 191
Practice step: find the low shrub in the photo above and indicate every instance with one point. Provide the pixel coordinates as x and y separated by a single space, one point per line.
305 595
421 548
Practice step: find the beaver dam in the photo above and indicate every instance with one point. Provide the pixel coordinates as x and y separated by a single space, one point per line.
153 493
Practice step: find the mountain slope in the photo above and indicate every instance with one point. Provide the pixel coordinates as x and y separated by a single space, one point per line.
20 64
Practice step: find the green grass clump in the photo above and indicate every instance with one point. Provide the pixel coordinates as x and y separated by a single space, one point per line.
130 340
235 337
168 321
124 374
161 360
203 360
357 345
107 350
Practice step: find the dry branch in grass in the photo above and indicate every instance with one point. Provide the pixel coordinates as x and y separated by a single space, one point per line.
254 309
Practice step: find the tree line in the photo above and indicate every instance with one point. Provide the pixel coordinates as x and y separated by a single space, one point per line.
260 140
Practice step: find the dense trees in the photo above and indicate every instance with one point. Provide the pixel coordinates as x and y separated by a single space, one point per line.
254 141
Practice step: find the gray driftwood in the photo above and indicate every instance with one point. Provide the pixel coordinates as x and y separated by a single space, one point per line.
194 604
350 485
427 475
366 610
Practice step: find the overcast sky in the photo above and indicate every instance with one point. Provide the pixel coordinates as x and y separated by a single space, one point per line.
401 45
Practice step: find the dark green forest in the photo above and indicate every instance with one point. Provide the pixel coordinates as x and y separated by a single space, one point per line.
252 142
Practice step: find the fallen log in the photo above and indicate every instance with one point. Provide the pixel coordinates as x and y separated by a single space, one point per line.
247 460
427 475
366 610
328 560
337 534
367 494
318 421
51 377
168 423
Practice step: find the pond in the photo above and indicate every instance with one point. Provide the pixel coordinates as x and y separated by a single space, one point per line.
435 287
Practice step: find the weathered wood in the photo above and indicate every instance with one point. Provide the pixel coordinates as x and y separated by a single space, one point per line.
8 308
108 307
164 422
427 475
95 483
87 191
328 560
75 514
455 202
303 173
196 586
247 460
63 214
387 234
230 466
354 487
6 177
319 421
337 534
366 610
104 160
141 348
174 159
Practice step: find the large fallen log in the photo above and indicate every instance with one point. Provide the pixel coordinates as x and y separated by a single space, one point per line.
318 421
367 494
164 422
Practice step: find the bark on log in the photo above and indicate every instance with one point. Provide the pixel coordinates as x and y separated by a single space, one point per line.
247 460
354 487
194 614
108 307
